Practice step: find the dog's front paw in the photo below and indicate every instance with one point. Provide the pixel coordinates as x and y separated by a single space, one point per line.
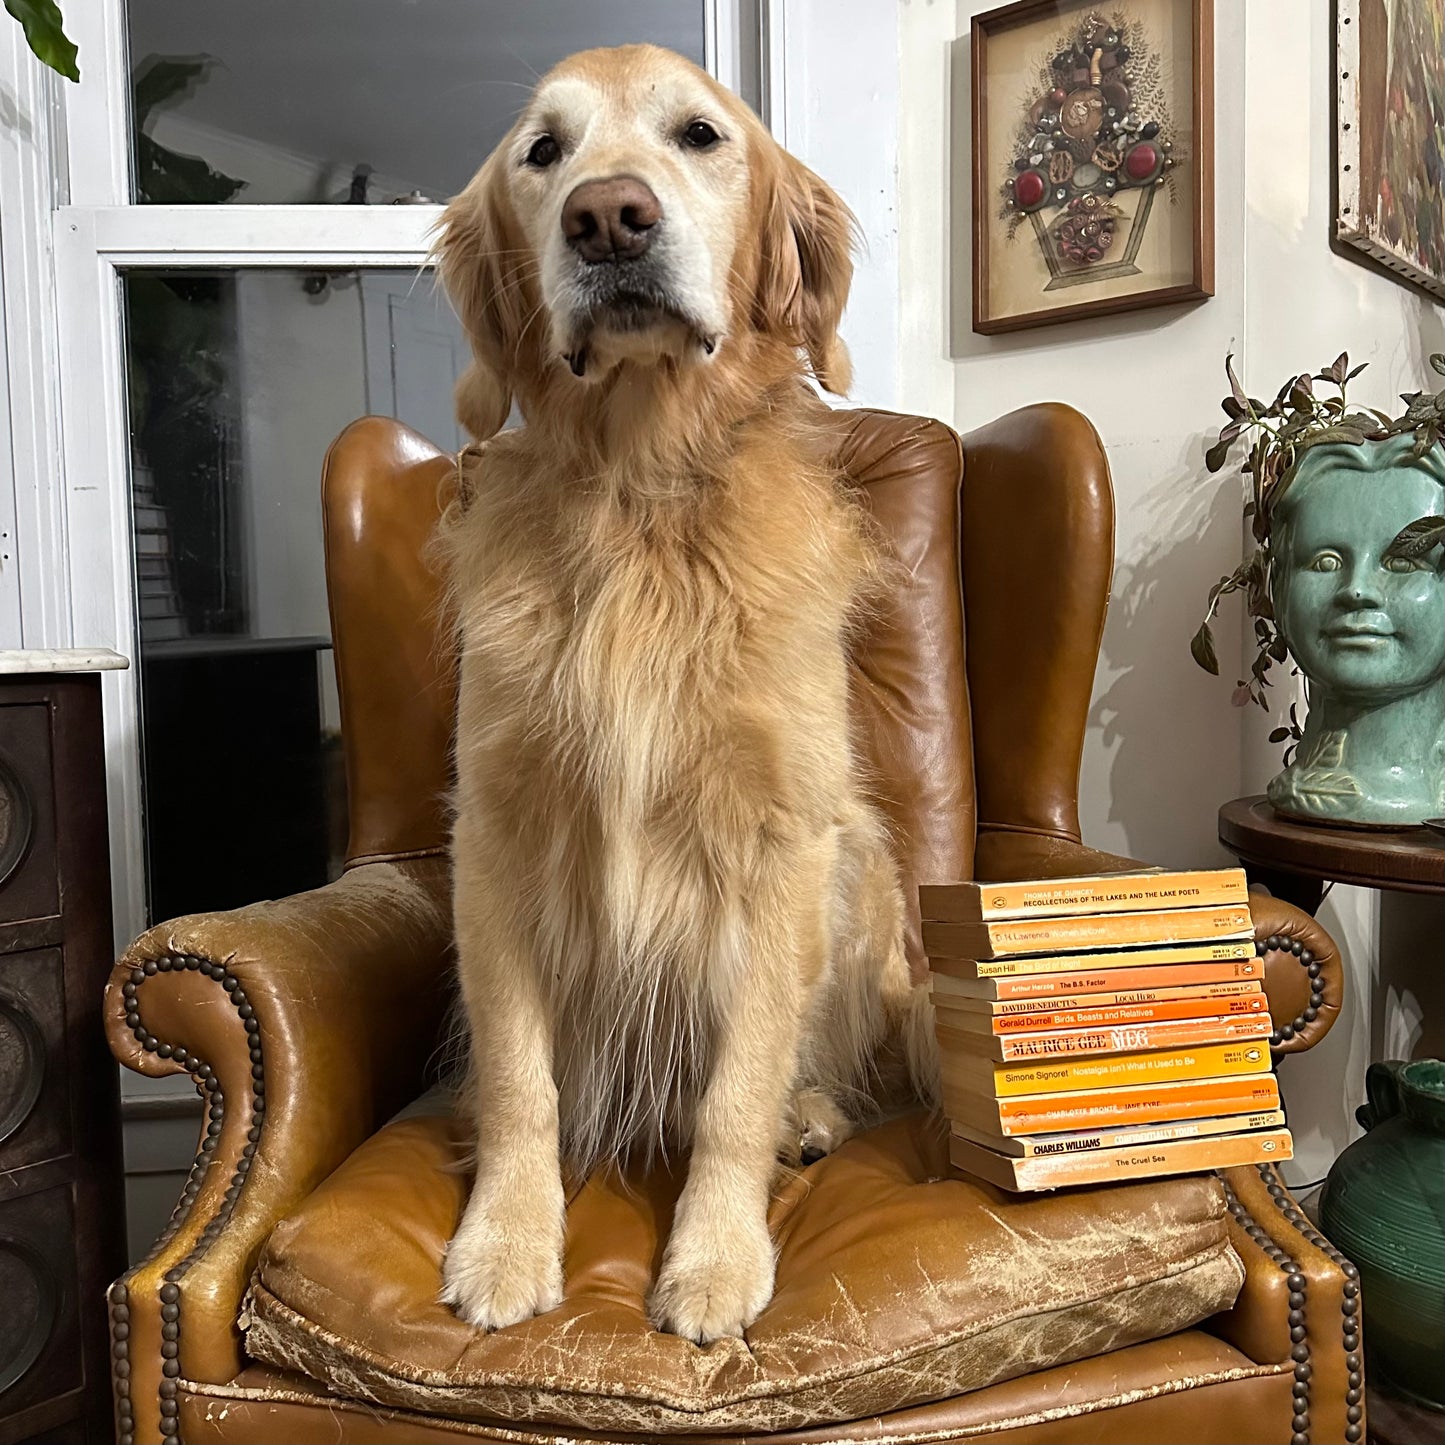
503 1267
714 1288
813 1127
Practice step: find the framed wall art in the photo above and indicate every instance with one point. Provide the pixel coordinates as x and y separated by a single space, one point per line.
1390 136
1093 159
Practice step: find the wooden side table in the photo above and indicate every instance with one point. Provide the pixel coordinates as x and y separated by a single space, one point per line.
1295 861
62 1202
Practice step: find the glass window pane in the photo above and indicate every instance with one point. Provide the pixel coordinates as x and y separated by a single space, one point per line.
310 101
239 380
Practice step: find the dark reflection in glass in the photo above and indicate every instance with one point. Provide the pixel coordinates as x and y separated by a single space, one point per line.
329 101
239 380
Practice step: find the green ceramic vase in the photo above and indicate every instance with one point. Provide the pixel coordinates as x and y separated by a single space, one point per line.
1384 1206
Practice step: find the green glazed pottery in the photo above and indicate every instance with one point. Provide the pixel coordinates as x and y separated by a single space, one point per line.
1384 1206
1367 628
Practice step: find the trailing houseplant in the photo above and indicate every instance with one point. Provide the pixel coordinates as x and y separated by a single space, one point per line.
1345 581
1278 436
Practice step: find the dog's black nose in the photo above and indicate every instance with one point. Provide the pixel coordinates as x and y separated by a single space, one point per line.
811 1154
611 220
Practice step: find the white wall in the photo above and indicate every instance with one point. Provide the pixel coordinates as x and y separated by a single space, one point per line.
1164 748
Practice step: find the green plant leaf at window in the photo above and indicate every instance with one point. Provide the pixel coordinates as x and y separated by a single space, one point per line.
44 30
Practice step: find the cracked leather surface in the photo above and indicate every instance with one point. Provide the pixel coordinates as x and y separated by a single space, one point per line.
897 1285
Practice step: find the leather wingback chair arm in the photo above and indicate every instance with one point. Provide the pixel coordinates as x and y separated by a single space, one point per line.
305 1023
1299 1307
1303 975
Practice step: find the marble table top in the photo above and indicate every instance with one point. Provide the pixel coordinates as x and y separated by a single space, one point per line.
61 659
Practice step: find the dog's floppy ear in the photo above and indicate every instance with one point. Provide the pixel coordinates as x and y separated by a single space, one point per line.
479 267
806 264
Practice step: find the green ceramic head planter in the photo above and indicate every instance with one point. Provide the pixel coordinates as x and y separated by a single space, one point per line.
1347 582
1367 629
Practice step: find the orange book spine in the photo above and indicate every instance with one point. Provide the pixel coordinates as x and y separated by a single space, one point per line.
1057 1076
1199 1006
990 943
1095 1108
1173 1033
1100 893
1088 1141
1238 964
1177 1156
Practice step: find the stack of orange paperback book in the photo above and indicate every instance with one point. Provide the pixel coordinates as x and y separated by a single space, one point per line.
1112 1027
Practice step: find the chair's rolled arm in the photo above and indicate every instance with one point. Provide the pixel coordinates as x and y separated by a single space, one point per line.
1303 976
304 1023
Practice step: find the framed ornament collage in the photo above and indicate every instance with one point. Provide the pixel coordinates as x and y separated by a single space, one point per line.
1093 159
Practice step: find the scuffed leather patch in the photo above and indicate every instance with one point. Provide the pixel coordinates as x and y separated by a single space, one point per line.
896 1285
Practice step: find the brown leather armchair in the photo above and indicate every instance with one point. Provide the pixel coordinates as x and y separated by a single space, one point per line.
293 1295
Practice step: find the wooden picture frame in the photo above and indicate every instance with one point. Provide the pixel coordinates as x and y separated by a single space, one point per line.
1387 208
1089 249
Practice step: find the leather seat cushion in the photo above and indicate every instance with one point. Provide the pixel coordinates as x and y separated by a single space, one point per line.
896 1285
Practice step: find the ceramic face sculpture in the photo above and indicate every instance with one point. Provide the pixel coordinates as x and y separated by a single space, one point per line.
1367 631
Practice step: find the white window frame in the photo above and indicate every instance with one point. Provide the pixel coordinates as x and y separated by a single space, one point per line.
80 558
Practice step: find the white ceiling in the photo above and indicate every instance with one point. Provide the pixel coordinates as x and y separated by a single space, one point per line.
420 90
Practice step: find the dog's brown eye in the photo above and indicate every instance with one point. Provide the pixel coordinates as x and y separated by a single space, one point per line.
700 135
545 152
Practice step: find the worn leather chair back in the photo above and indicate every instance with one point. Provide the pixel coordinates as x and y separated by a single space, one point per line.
972 684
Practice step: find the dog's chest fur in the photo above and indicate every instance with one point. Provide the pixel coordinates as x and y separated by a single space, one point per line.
653 691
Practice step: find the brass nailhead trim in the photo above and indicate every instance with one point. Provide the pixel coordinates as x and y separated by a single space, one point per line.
1349 1301
120 1362
1277 943
1299 1337
209 1087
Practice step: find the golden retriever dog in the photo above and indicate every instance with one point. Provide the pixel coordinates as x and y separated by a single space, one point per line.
678 920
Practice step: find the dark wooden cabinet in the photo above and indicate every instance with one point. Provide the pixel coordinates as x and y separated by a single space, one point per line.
62 1235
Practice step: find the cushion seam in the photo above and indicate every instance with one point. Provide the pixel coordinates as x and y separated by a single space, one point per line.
1122 1399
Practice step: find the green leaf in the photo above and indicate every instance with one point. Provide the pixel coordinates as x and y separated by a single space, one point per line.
1217 455
43 26
1341 432
1236 390
1201 649
1416 539
1356 370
